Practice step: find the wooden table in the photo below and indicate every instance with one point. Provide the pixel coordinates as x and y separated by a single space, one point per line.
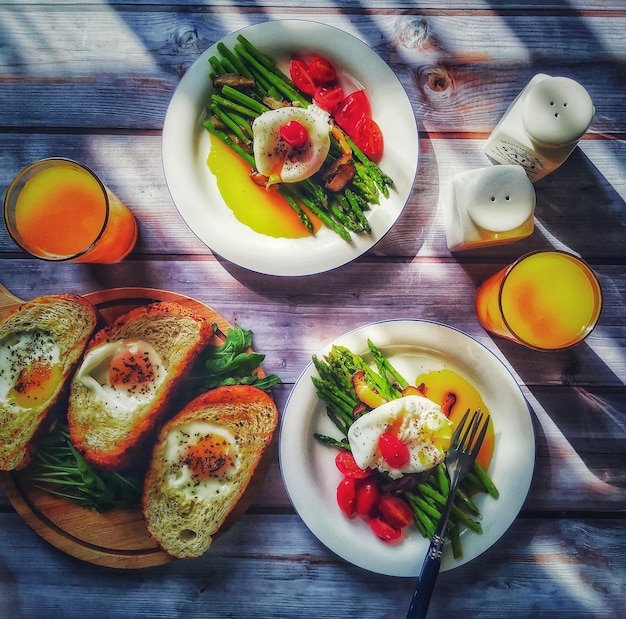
92 81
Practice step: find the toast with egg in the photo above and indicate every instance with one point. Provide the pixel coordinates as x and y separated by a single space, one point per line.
202 463
41 343
130 375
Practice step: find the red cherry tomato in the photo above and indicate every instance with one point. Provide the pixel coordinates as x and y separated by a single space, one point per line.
367 499
393 450
396 511
327 97
294 133
384 530
354 108
345 462
300 76
322 71
346 496
369 138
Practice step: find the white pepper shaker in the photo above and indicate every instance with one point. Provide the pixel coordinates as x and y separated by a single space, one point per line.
489 206
542 126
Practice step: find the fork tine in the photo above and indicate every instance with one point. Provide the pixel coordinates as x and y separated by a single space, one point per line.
473 428
457 432
470 431
481 436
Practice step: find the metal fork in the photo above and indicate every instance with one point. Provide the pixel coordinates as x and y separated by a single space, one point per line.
464 447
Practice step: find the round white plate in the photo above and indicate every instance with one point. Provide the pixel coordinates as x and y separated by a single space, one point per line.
186 145
413 347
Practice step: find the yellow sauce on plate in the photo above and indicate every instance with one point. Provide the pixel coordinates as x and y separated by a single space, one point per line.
263 210
439 384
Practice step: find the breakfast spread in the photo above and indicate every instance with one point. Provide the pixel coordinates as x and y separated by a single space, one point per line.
311 140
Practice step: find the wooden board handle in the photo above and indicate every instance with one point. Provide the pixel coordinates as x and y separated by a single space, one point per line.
8 301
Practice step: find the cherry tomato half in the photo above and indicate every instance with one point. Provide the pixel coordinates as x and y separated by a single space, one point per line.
346 495
367 499
345 462
384 530
393 450
354 108
327 97
294 133
300 76
396 511
322 71
369 138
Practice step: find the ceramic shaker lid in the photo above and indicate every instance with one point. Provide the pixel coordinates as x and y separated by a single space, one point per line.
497 198
557 110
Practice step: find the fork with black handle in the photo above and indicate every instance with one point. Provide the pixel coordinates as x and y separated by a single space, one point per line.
464 447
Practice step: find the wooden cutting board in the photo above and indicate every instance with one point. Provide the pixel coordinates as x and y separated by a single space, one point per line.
118 538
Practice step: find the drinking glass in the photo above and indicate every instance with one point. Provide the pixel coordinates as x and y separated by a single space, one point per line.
58 209
546 300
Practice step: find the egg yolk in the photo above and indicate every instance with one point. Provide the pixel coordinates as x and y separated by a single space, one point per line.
131 367
210 456
36 383
263 210
440 438
456 395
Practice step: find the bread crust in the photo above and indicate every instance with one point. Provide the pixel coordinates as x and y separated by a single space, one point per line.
71 320
178 334
184 526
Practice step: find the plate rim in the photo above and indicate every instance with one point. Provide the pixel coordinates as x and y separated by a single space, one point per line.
525 417
312 255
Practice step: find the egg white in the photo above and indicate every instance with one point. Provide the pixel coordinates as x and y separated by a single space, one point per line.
94 375
20 350
421 418
178 474
299 162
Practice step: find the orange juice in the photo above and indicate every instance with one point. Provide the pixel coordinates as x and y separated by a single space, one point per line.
57 209
546 300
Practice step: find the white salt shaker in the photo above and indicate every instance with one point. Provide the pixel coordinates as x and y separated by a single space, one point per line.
542 126
489 206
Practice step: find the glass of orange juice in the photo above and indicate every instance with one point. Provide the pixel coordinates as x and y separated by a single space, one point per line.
57 209
546 300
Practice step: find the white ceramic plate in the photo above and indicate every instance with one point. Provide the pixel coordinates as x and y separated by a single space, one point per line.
186 145
413 347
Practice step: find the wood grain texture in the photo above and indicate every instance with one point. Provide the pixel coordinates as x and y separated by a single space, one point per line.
271 566
461 71
92 81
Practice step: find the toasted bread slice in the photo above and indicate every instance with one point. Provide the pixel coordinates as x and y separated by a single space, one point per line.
202 463
131 372
41 343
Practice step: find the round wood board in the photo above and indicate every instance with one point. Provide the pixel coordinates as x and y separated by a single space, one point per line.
117 538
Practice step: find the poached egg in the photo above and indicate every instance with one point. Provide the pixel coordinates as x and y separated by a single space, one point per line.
279 160
416 421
